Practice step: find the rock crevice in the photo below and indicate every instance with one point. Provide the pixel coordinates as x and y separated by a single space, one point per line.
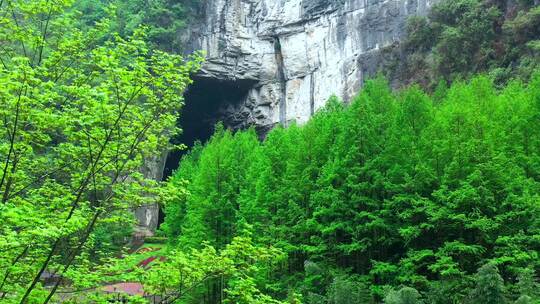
282 79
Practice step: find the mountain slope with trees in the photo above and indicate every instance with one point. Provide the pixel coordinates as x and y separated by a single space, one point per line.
460 38
166 20
394 197
397 189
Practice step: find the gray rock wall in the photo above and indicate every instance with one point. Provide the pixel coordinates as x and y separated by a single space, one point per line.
148 215
297 53
292 54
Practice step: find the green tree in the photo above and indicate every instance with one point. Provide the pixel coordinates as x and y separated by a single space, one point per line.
405 295
213 205
183 273
81 111
460 38
398 188
489 286
175 195
165 19
345 289
527 286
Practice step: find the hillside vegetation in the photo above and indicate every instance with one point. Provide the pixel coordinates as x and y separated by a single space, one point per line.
166 20
428 194
437 193
460 38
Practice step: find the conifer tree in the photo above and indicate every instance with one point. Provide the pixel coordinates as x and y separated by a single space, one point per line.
405 295
396 188
489 286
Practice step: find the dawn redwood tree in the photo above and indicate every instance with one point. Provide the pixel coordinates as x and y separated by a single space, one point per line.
489 286
212 204
80 112
397 189
176 201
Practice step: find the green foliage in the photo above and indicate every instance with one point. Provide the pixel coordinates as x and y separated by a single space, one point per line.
397 189
460 38
345 289
174 195
81 112
182 275
527 285
524 300
449 290
111 235
466 35
215 174
405 295
238 263
489 286
525 26
165 19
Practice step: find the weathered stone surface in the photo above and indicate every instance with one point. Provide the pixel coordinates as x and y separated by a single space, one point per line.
296 53
147 216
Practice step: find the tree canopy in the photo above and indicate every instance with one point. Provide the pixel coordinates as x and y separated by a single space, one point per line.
396 189
81 111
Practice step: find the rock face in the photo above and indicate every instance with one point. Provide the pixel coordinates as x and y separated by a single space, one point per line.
148 215
295 54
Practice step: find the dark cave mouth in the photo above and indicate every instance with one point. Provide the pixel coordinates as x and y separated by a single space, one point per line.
204 102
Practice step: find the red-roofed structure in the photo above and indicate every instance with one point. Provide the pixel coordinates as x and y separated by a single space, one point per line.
132 289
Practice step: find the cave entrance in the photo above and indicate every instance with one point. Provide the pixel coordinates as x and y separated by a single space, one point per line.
205 103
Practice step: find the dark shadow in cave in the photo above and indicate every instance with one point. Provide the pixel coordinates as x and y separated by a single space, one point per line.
204 101
161 216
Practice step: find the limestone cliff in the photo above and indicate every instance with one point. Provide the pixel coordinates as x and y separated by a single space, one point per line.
294 54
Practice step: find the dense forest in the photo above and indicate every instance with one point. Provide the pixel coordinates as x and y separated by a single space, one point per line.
458 39
435 193
165 19
423 188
